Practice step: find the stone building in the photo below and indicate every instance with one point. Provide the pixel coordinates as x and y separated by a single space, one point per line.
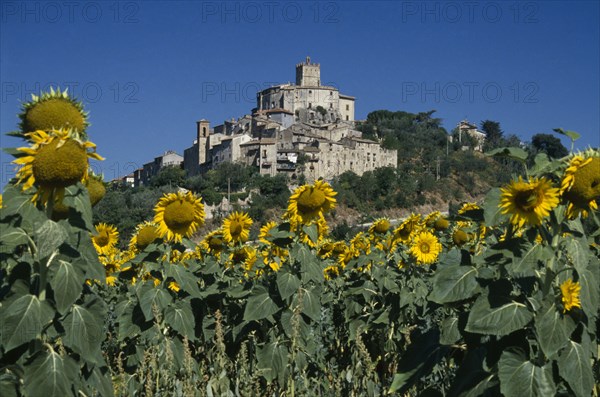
168 159
303 128
309 95
466 128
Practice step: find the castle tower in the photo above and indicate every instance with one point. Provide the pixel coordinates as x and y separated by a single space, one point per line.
203 136
308 74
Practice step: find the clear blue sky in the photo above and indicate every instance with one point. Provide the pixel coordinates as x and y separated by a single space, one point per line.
147 70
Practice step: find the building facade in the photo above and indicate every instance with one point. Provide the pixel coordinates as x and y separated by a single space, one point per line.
304 128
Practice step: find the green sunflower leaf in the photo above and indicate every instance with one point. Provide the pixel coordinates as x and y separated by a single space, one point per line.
454 283
519 377
500 320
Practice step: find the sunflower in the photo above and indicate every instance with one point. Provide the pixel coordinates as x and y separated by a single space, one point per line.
361 243
581 184
245 256
274 257
236 227
387 245
345 257
178 215
408 228
213 243
466 207
53 110
310 202
105 238
441 224
265 232
528 202
380 226
570 295
173 286
322 232
111 260
425 248
95 187
0 200
325 249
460 237
331 272
431 218
145 234
54 161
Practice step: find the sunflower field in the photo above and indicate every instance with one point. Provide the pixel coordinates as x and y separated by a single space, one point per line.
501 298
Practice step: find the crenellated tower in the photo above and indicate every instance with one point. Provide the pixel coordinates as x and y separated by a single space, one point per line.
308 74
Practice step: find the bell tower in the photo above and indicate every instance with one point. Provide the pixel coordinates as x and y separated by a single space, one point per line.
308 74
203 137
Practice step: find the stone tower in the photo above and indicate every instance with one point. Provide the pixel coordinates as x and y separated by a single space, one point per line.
308 74
203 136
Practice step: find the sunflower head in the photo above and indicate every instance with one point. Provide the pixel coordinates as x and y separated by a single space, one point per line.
236 227
425 248
53 110
408 228
310 202
245 256
96 188
441 224
213 243
528 202
331 272
431 218
570 295
105 238
380 226
145 234
178 215
581 183
265 232
360 242
467 207
460 237
55 160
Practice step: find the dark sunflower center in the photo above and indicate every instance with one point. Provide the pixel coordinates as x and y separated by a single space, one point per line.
311 200
425 248
59 166
179 215
239 256
215 243
236 228
102 239
527 200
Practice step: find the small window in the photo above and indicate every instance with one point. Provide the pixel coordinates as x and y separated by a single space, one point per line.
347 107
347 117
310 105
310 91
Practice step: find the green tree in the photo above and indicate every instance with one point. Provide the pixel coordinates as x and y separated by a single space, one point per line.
546 143
169 176
494 136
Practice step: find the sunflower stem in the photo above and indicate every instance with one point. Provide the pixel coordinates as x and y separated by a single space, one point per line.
43 267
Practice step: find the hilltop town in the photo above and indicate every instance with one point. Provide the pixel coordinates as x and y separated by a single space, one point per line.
297 129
